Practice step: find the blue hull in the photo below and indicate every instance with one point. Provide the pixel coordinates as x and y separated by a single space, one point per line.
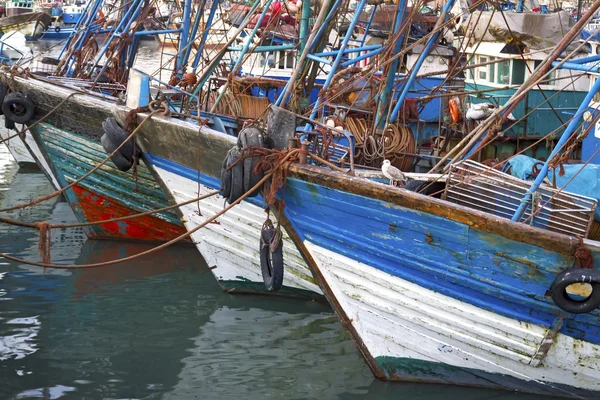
374 248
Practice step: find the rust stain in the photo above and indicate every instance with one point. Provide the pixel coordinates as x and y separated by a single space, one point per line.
428 238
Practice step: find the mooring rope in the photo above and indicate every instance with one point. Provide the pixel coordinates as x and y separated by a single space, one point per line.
283 159
62 190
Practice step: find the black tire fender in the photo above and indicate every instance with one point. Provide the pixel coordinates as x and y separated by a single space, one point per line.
117 135
237 175
8 124
225 189
251 137
118 159
57 29
576 275
17 107
271 263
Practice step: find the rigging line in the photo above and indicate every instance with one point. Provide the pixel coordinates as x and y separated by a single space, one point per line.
62 190
92 223
462 50
501 113
527 64
164 245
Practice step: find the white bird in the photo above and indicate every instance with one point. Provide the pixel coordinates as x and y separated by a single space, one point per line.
392 173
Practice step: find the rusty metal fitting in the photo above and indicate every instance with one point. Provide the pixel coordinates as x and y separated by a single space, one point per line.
302 157
293 143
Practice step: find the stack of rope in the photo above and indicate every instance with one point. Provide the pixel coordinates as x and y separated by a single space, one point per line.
396 144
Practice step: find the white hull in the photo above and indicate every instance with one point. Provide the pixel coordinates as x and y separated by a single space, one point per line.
399 320
231 246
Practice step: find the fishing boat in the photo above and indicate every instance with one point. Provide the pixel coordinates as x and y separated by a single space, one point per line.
31 24
469 276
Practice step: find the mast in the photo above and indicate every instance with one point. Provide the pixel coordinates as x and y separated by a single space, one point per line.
386 94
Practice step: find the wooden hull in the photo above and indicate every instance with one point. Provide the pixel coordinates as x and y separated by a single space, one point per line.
69 152
231 245
434 292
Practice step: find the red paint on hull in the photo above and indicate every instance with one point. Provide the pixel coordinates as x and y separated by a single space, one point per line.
97 208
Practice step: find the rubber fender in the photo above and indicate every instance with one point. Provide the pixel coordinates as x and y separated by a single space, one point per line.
225 189
57 29
50 61
237 175
576 275
251 137
17 107
118 159
8 124
271 263
117 135
428 188
2 94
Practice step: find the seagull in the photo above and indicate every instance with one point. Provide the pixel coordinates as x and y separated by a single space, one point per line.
392 173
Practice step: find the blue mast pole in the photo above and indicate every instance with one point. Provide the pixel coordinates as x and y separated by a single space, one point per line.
79 23
209 22
415 69
184 36
563 139
322 28
340 55
386 94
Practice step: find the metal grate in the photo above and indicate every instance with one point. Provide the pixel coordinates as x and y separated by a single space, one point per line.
485 189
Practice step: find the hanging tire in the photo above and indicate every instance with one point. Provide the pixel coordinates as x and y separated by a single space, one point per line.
237 175
271 263
569 277
225 190
2 94
251 138
17 107
117 135
57 29
8 124
118 159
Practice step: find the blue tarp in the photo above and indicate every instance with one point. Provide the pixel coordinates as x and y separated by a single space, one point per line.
585 183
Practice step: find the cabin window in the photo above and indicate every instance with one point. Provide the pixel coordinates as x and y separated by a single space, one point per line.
471 74
492 69
503 72
518 75
482 70
281 63
267 59
290 60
